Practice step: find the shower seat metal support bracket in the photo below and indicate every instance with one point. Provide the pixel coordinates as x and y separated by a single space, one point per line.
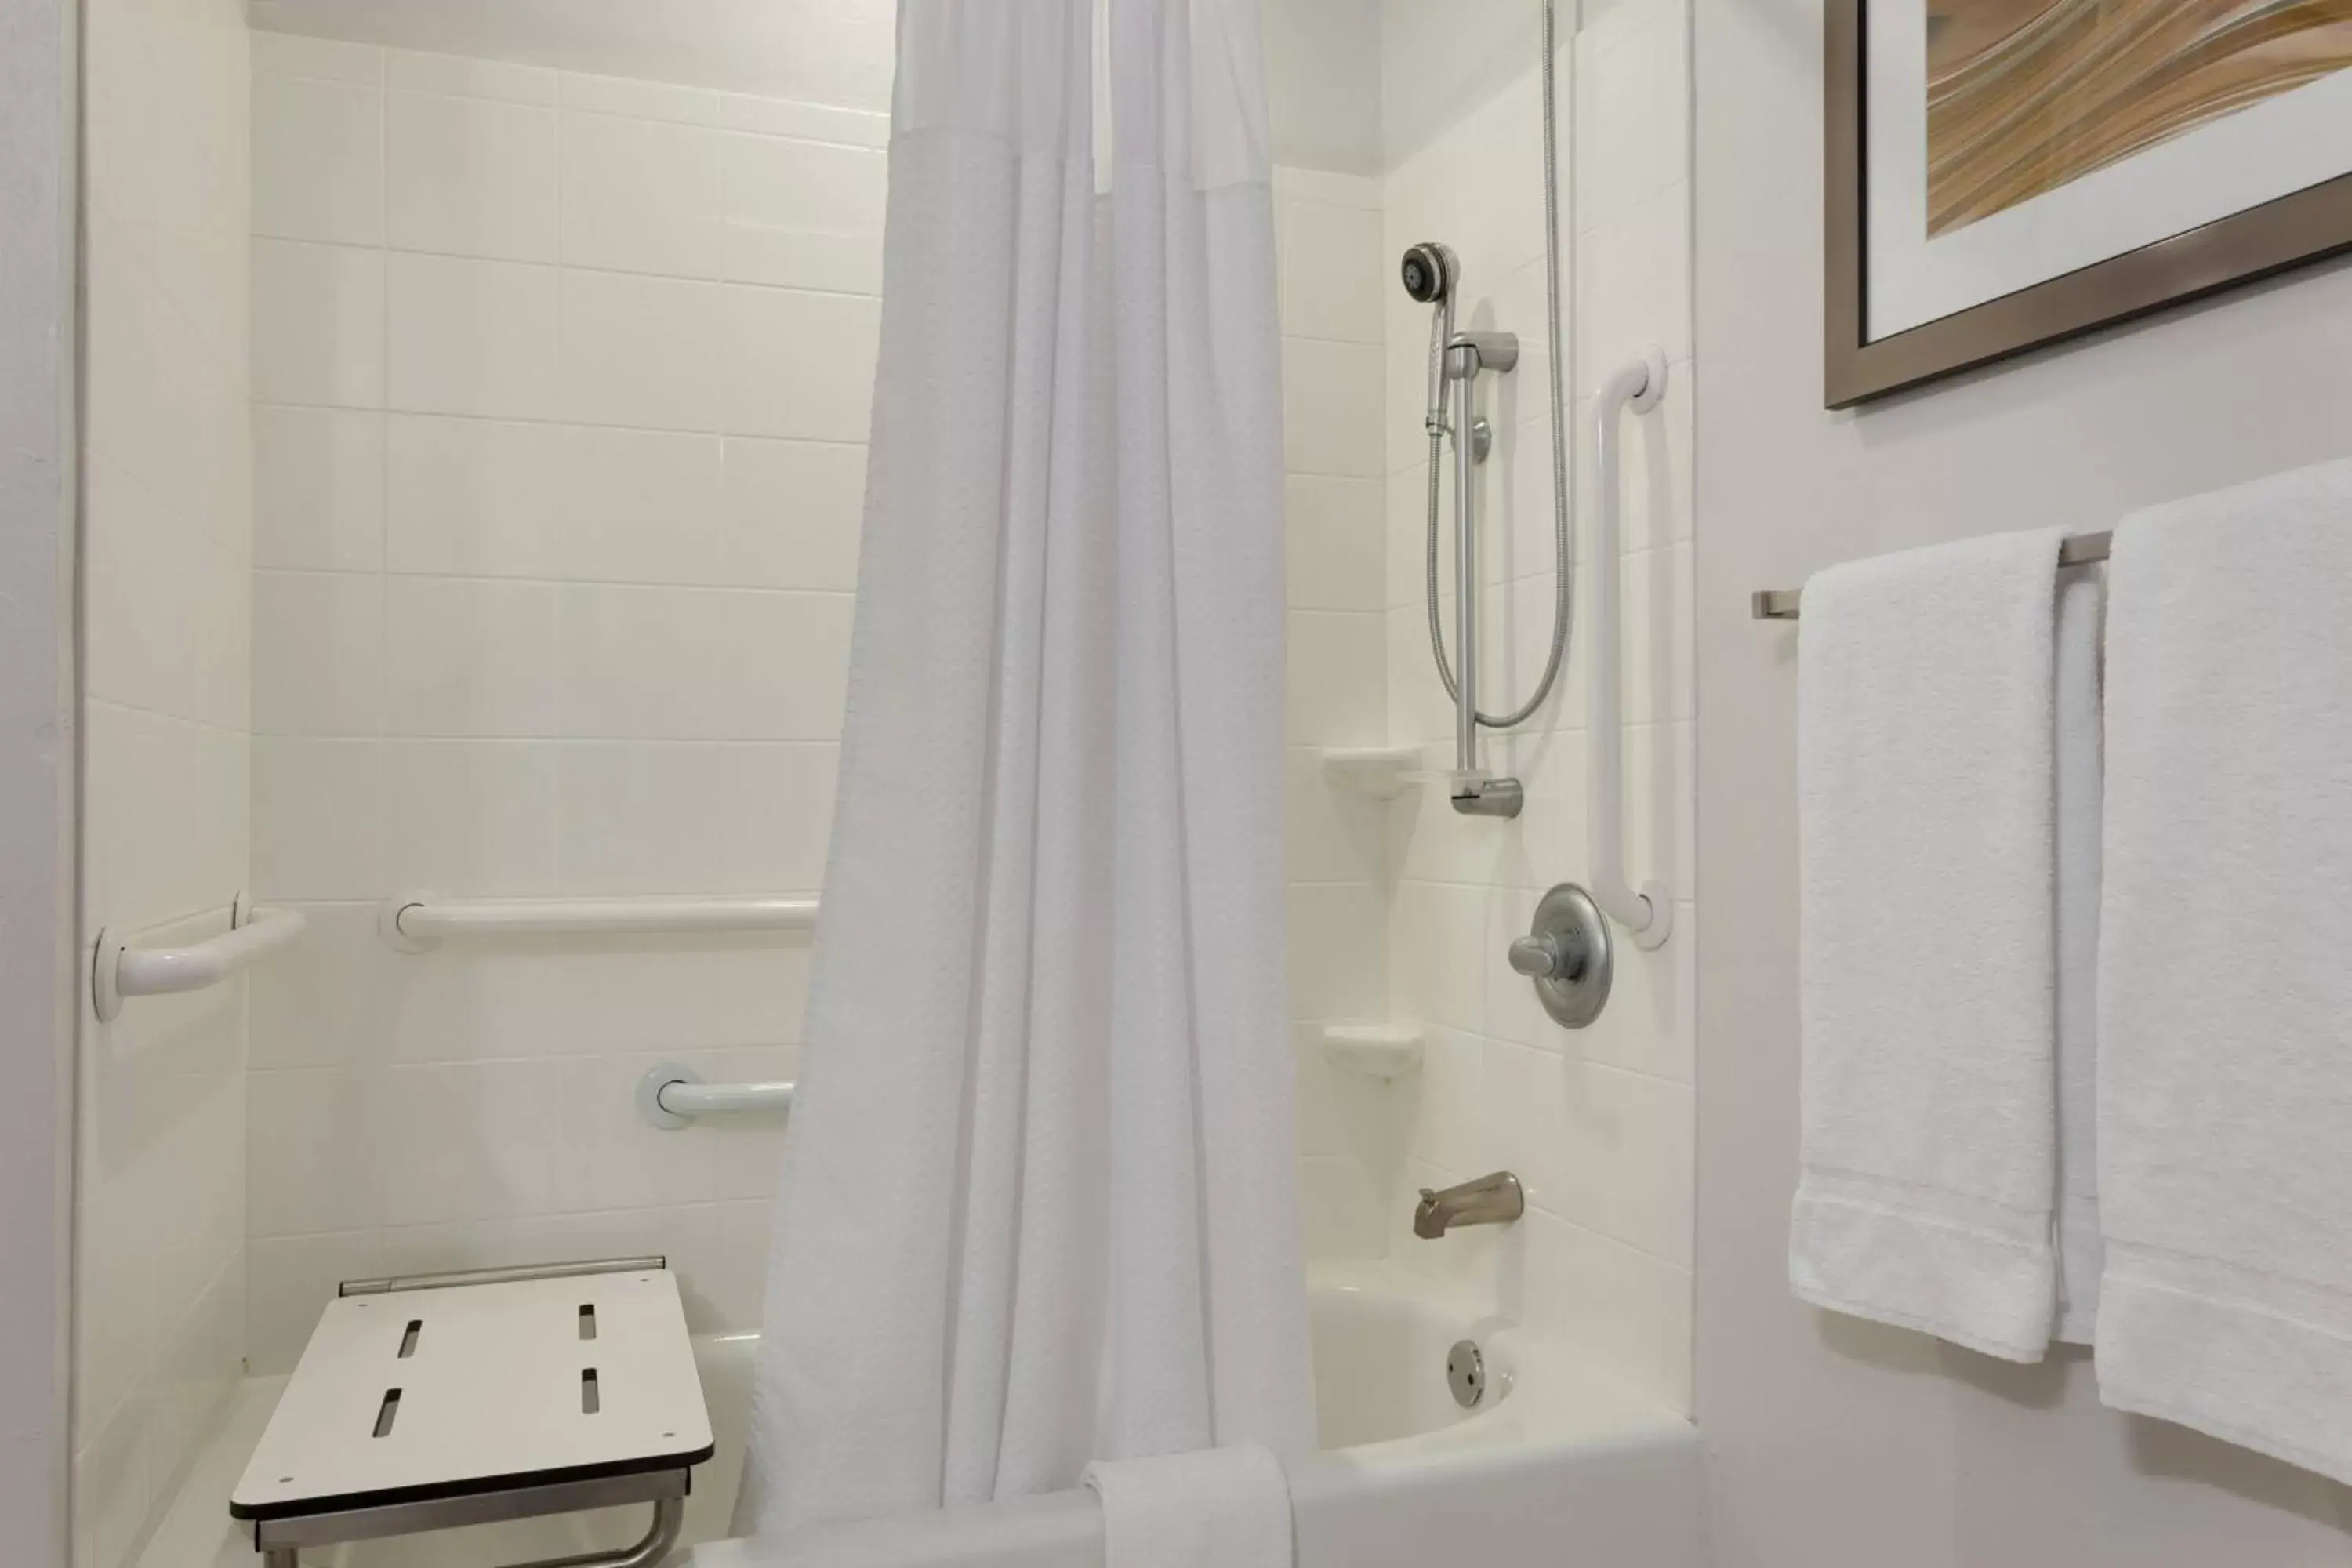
280 1542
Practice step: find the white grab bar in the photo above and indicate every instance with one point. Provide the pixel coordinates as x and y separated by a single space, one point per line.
1649 914
415 922
118 971
670 1096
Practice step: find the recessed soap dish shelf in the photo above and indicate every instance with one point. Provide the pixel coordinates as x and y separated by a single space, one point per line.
1383 1051
1383 773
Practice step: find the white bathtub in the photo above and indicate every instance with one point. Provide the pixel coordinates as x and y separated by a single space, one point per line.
1559 1464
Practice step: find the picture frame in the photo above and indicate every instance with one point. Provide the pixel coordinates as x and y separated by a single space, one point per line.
2289 231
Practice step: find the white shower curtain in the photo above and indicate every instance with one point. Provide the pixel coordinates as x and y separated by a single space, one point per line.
1039 1199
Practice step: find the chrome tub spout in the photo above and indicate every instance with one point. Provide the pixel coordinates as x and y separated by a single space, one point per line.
1497 1199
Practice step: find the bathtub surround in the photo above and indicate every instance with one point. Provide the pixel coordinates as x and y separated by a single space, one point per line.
1929 757
1836 1444
510 640
1333 275
1039 1206
2225 1304
1598 1123
160 1220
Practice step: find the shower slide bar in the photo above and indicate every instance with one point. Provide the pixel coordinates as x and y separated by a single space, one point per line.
418 921
670 1096
118 971
1648 914
1782 604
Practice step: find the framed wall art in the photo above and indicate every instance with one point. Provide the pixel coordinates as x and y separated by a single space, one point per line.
2006 173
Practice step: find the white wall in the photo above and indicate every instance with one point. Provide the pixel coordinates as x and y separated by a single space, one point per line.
1323 83
1440 62
37 724
560 402
1835 1444
160 1279
1597 1123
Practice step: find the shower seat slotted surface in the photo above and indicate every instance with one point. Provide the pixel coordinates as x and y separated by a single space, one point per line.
411 1396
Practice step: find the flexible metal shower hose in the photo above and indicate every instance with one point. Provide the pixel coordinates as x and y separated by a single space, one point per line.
1562 539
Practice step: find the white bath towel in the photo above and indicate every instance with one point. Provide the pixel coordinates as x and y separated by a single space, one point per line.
1927 784
2077 826
1216 1508
2225 984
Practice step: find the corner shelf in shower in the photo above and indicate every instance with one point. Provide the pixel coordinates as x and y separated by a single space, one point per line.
1383 773
1383 1051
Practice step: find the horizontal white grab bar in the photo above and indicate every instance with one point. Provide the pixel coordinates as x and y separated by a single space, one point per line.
415 921
117 971
718 1098
670 1096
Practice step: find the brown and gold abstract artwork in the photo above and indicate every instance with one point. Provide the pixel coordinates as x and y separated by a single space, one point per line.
2026 95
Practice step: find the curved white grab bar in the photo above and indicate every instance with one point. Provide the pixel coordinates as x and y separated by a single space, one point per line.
1648 914
416 922
670 1096
117 971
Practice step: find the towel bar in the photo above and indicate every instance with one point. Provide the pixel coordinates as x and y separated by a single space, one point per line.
1781 604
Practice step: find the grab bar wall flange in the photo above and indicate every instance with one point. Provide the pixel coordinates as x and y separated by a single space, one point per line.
118 969
1647 915
673 1096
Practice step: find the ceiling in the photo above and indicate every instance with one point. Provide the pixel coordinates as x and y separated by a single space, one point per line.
1323 56
818 51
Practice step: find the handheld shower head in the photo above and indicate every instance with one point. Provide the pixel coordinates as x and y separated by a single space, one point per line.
1429 271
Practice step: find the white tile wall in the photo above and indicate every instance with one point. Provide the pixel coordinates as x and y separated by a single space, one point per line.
553 595
550 593
1598 1123
1331 271
469 176
160 1220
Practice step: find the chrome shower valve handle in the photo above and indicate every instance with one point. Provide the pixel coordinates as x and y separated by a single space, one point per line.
1567 953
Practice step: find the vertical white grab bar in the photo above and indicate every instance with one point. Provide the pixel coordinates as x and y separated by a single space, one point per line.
1648 914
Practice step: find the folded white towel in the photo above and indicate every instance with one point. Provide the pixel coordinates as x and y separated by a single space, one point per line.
2225 991
2077 827
1927 793
1217 1508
